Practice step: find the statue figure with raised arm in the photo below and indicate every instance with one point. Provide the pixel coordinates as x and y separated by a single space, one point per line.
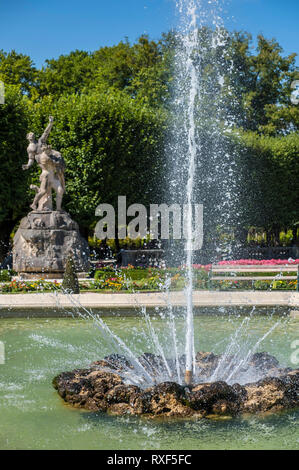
46 236
52 165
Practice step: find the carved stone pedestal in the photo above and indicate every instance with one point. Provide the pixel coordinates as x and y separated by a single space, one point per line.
43 242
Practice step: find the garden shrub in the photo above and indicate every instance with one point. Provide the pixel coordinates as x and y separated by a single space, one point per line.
5 275
104 274
136 274
70 279
111 145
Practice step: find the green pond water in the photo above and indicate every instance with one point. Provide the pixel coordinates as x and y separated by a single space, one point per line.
33 416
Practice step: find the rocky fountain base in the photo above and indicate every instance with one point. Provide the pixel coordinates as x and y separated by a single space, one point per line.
104 387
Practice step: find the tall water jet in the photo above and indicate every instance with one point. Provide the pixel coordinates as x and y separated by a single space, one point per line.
187 75
190 42
202 160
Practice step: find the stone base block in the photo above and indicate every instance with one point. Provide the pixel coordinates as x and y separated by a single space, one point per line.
43 242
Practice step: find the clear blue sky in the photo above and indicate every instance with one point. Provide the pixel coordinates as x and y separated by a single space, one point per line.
47 28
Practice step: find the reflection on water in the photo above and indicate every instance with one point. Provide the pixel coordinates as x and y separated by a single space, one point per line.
33 415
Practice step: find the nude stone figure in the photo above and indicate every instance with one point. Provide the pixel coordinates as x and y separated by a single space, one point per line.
52 165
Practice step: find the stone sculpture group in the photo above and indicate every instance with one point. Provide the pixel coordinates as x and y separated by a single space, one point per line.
46 237
52 165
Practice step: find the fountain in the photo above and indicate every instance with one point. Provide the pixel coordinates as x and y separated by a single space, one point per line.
202 384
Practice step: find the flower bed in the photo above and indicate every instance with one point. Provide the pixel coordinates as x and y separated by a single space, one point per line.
150 279
256 262
254 285
29 286
249 262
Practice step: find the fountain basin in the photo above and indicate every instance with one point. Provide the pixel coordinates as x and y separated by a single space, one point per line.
104 387
33 415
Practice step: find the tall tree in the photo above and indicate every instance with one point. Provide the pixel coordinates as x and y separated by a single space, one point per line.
67 74
18 69
271 75
13 127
